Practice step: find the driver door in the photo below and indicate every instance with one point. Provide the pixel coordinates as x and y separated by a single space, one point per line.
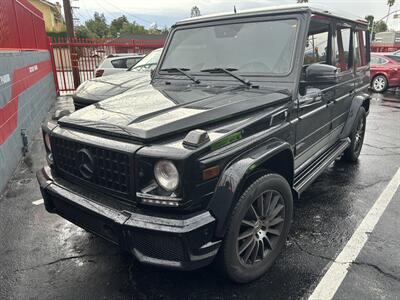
314 117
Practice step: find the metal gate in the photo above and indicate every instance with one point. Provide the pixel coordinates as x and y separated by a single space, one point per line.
74 60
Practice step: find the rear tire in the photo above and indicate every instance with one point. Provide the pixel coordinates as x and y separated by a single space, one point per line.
352 153
258 229
379 84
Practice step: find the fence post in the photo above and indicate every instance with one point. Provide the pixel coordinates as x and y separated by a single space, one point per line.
53 63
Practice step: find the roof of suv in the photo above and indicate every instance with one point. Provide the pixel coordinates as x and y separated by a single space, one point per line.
273 10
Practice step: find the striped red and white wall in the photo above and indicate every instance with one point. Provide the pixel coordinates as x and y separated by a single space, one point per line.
27 91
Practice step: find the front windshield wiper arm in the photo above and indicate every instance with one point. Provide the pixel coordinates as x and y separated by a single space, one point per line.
182 71
229 72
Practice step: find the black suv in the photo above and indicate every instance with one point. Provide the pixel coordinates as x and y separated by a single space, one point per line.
243 112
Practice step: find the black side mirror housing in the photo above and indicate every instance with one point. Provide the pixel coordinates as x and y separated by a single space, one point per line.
152 72
321 73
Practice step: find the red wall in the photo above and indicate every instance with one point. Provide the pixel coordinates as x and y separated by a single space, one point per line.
21 26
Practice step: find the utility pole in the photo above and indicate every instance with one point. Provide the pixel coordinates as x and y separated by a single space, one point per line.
69 22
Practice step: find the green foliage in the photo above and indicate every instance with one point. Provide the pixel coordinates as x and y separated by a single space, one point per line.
380 26
98 25
82 31
195 12
370 19
53 35
375 27
132 28
117 25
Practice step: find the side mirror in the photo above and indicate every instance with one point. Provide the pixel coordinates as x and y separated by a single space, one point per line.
322 73
152 72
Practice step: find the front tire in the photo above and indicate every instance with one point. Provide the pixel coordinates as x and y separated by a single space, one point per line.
258 229
379 84
357 134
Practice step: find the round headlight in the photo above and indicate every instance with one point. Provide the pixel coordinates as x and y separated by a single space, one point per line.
47 141
167 175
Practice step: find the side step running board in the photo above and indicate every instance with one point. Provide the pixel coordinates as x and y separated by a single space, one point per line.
308 175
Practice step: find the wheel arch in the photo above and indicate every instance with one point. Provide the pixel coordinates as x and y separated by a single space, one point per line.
377 74
274 156
361 100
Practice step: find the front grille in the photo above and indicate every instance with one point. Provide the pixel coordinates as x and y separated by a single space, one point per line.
94 166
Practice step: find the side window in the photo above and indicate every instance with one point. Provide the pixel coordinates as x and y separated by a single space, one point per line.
343 41
317 43
360 49
119 63
374 60
132 61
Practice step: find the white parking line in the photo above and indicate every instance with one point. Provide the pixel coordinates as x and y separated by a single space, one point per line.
38 202
333 278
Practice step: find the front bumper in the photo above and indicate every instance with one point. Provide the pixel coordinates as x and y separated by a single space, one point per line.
181 243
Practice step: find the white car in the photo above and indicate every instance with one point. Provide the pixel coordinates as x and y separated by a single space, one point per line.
116 63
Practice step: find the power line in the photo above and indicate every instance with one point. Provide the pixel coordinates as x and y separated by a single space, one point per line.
128 13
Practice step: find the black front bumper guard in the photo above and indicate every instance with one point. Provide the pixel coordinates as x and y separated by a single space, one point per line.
174 243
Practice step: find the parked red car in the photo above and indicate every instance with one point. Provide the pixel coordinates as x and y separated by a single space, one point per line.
385 71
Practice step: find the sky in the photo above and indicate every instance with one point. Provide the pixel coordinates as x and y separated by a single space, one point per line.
166 12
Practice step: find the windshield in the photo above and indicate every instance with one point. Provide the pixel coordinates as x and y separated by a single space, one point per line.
259 48
149 61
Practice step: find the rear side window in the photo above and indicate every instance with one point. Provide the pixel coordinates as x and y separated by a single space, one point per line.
317 43
119 63
343 40
375 60
360 49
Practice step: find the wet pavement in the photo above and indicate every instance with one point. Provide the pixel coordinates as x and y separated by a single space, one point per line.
43 256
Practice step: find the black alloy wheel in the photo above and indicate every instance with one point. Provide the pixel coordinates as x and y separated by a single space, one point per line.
261 228
258 228
357 134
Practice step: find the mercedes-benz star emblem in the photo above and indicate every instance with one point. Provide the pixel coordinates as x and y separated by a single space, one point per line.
86 163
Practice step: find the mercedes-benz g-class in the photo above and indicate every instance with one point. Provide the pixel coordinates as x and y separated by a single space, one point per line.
243 112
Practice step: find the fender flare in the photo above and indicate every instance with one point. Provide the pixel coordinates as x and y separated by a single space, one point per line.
356 103
234 176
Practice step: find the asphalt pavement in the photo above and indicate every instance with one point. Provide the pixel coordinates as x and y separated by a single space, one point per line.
43 256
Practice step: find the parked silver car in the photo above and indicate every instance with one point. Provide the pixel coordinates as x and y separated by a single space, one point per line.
101 88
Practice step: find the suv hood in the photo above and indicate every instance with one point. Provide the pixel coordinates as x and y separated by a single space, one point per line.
150 112
101 88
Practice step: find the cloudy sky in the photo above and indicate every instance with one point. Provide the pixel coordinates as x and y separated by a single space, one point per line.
166 12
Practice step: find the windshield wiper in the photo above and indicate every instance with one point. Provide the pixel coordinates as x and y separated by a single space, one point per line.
229 72
182 71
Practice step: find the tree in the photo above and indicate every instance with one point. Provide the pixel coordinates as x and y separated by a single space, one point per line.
302 1
390 3
133 28
98 25
370 19
195 12
81 31
380 26
117 24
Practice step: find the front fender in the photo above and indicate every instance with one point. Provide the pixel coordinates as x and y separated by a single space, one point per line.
234 176
356 103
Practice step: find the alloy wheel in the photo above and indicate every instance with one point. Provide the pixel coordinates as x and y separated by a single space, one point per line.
261 227
379 83
359 136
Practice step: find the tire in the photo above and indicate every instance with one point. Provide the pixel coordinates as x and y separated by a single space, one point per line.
243 264
379 84
357 134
